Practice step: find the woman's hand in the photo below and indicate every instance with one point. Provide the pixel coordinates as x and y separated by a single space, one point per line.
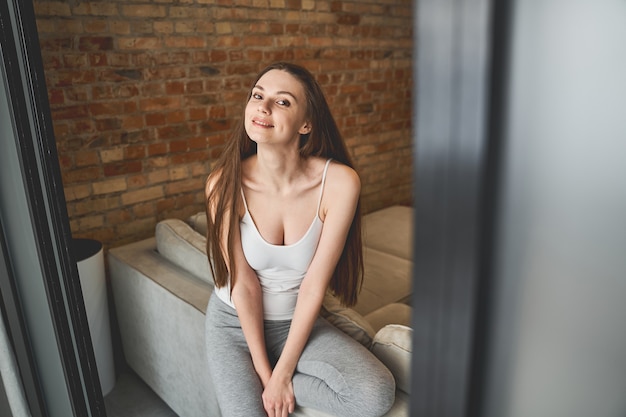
278 397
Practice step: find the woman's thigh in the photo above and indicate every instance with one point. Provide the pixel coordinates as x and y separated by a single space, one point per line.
236 383
338 375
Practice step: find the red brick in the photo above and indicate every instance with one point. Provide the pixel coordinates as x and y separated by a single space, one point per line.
216 125
132 122
144 11
157 149
198 143
86 158
119 59
52 8
165 204
336 6
95 26
167 73
218 56
95 43
178 116
118 217
135 152
380 86
65 161
187 157
293 4
122 168
144 210
159 103
155 119
175 87
199 113
179 146
257 41
139 43
112 108
217 112
136 181
70 112
349 19
69 78
173 131
80 175
55 96
108 124
97 60
194 87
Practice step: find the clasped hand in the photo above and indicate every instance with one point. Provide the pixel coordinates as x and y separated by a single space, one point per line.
278 397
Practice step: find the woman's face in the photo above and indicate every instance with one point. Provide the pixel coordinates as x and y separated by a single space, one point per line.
275 113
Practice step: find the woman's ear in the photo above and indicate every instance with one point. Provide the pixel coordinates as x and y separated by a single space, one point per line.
305 129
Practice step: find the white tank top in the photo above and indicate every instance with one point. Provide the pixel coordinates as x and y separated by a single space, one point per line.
280 268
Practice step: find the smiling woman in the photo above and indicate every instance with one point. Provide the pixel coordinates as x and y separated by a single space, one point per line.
284 225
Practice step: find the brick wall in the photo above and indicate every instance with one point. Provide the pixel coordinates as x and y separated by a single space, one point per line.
144 94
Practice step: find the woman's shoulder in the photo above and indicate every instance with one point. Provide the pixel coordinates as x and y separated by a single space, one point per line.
341 189
342 181
342 175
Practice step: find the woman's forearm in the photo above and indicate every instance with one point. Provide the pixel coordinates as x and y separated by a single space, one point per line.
248 301
305 315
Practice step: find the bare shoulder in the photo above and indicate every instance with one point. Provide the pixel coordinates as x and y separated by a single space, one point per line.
342 178
341 189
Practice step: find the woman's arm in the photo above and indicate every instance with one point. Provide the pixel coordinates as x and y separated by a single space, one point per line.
341 196
247 297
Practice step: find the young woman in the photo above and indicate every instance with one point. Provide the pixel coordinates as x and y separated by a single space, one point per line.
284 225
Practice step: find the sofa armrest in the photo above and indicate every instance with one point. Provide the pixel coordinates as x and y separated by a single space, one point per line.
143 258
392 345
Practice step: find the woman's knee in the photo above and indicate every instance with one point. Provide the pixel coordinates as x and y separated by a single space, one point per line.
376 395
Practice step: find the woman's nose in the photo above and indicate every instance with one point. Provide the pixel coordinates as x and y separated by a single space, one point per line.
263 107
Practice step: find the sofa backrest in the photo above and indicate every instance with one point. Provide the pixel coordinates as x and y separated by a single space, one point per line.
179 243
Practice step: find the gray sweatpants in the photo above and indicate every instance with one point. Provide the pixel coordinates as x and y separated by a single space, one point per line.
335 374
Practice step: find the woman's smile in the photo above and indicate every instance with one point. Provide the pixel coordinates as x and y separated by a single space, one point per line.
261 123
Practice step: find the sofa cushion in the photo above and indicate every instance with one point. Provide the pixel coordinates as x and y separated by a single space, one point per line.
394 313
198 222
347 320
392 345
390 230
183 246
387 280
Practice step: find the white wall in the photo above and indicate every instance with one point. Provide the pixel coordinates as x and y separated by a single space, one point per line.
559 336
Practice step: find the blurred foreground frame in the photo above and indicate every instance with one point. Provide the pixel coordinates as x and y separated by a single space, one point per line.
42 303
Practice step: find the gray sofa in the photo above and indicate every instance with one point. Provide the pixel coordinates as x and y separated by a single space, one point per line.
161 287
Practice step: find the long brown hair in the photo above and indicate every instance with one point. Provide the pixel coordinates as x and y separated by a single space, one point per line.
224 198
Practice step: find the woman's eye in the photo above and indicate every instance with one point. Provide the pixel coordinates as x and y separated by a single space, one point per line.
256 96
285 103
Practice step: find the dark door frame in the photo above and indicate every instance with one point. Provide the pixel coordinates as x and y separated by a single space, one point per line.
41 302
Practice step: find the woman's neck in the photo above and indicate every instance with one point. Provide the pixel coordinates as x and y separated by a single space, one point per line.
279 168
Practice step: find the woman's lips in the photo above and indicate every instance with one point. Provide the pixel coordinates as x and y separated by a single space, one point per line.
261 123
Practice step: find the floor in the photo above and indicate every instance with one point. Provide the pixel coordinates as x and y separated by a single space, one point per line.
131 397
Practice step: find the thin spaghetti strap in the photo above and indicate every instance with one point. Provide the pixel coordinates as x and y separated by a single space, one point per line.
245 204
319 202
